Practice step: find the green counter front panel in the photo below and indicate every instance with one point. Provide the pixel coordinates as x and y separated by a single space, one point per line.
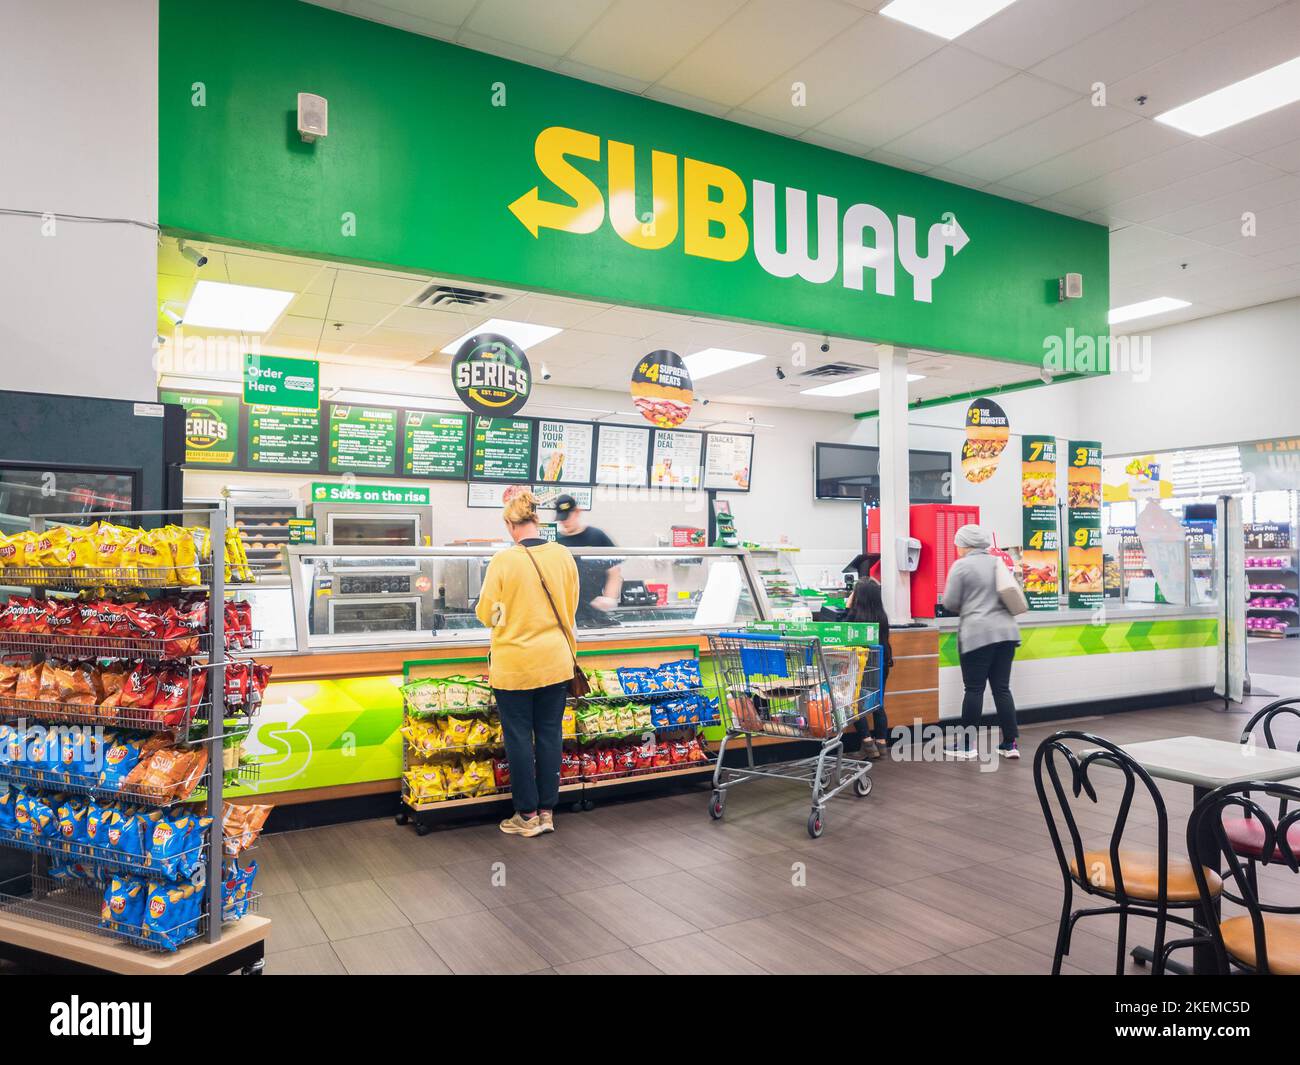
469 166
1064 641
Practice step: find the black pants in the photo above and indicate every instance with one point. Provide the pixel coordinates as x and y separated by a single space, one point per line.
879 727
991 665
532 721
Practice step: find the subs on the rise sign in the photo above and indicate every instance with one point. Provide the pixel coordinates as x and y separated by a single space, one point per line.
662 388
491 374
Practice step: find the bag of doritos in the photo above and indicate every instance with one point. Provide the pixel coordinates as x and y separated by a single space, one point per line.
180 690
140 689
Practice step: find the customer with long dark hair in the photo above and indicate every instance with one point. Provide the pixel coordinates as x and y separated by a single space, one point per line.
866 604
528 599
987 638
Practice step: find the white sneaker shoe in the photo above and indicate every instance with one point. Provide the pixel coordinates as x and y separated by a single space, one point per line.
1012 751
961 754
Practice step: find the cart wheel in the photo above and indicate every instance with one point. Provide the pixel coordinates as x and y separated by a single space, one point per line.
862 786
815 824
256 969
716 806
577 806
421 828
588 805
402 818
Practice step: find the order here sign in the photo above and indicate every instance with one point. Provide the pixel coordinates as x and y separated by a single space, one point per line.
275 381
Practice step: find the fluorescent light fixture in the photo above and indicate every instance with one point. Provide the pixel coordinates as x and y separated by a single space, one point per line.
1145 309
217 305
712 361
525 334
852 386
944 18
1257 95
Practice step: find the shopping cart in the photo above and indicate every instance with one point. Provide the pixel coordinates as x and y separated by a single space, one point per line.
794 688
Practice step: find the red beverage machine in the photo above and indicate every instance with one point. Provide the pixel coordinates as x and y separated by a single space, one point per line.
934 524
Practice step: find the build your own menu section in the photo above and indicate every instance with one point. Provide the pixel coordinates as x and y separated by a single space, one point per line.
282 439
362 439
434 444
502 449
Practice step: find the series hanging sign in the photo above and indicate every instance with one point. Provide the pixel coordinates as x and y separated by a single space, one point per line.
1041 555
1083 503
987 433
491 375
662 388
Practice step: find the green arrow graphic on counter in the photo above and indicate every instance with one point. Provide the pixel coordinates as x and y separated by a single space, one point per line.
1067 641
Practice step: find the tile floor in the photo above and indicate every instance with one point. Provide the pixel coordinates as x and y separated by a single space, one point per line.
942 869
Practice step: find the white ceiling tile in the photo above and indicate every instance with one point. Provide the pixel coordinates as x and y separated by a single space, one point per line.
1229 208
1042 140
1279 238
261 271
549 28
448 12
739 58
397 13
923 92
1235 176
507 50
602 77
1260 134
854 63
690 103
772 125
1154 172
392 289
1029 31
1287 156
1138 140
835 144
898 162
619 322
1005 107
644 45
955 177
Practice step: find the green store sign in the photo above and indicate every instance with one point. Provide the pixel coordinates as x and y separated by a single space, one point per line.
275 381
382 494
590 192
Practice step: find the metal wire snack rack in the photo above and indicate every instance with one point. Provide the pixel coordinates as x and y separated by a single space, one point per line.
793 688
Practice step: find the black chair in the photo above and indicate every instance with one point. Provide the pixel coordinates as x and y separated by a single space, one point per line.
1246 833
1133 881
1266 939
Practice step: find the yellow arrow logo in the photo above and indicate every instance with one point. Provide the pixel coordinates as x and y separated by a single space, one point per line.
551 150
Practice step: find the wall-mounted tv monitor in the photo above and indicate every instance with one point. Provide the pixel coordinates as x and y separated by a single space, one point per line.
852 471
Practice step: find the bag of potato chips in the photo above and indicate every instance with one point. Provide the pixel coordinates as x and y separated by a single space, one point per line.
186 555
155 559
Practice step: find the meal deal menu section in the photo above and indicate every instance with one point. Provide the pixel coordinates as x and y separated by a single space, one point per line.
622 455
1083 503
502 449
362 439
727 458
282 438
1041 558
564 451
434 445
677 459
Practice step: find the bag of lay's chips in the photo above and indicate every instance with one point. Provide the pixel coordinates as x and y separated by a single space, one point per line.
96 833
185 554
175 843
124 902
71 815
52 547
33 815
8 800
7 551
124 832
107 541
10 745
121 755
171 914
79 551
235 891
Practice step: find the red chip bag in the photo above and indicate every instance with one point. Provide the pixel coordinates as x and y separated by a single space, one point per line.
645 755
113 619
695 751
259 676
625 759
569 766
587 765
140 689
180 627
604 762
87 617
501 772
663 756
179 691
678 752
62 618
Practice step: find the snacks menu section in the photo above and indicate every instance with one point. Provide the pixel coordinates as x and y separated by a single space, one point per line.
434 445
502 449
727 458
277 438
622 456
564 452
362 439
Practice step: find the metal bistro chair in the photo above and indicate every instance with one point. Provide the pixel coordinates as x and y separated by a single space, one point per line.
1246 833
1266 939
1138 882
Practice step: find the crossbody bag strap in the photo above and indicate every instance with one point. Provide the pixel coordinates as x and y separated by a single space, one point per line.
554 609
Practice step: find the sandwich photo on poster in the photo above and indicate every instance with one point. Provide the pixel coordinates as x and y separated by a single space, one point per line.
1085 566
987 433
1040 559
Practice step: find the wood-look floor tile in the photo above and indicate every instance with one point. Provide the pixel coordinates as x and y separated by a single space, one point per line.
497 882
1004 957
631 863
895 909
347 910
622 963
702 904
396 952
697 955
818 875
632 915
429 894
293 925
479 944
559 930
316 960
875 946
781 950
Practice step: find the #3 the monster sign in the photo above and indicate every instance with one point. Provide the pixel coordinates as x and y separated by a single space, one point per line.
491 374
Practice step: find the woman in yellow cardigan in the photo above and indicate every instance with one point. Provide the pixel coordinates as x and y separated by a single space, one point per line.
532 660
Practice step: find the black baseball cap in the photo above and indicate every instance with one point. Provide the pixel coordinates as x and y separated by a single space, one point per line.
565 505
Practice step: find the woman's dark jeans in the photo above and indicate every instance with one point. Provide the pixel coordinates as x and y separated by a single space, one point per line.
989 665
879 728
532 721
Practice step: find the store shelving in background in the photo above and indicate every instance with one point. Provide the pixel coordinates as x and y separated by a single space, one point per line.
1273 577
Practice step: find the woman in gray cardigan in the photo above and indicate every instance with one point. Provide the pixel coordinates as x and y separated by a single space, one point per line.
987 638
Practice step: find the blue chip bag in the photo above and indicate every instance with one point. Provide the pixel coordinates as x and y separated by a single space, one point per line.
171 913
96 835
123 832
635 680
75 872
71 814
124 905
34 815
10 745
119 758
8 799
173 843
235 891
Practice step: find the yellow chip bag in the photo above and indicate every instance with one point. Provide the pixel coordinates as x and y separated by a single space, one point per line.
107 540
457 730
8 548
52 547
81 548
155 559
458 783
186 554
477 777
237 557
128 560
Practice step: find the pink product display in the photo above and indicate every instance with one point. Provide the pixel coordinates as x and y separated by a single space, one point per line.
1269 562
1266 625
1268 587
1271 602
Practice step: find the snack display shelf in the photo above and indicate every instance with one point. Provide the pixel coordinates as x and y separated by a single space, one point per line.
620 734
151 649
1270 569
682 770
1275 634
66 784
459 802
137 719
104 857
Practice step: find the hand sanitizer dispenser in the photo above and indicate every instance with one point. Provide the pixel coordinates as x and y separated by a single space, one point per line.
909 553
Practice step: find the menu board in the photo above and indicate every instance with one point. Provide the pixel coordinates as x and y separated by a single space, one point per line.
491 496
282 438
1083 506
434 445
547 494
362 439
211 427
676 459
1041 557
502 449
622 455
564 451
727 458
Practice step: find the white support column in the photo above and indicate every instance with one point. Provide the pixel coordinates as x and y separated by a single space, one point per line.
895 500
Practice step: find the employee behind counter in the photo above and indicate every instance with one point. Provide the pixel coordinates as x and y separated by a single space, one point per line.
600 580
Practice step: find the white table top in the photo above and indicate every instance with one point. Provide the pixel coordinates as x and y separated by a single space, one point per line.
1206 763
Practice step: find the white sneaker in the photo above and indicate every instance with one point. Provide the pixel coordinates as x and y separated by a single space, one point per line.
522 826
963 754
1010 752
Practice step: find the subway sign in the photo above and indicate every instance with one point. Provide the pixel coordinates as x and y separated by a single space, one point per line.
699 210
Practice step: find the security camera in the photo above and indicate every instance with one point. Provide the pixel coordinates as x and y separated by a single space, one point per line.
172 316
546 372
826 346
704 402
780 374
197 258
